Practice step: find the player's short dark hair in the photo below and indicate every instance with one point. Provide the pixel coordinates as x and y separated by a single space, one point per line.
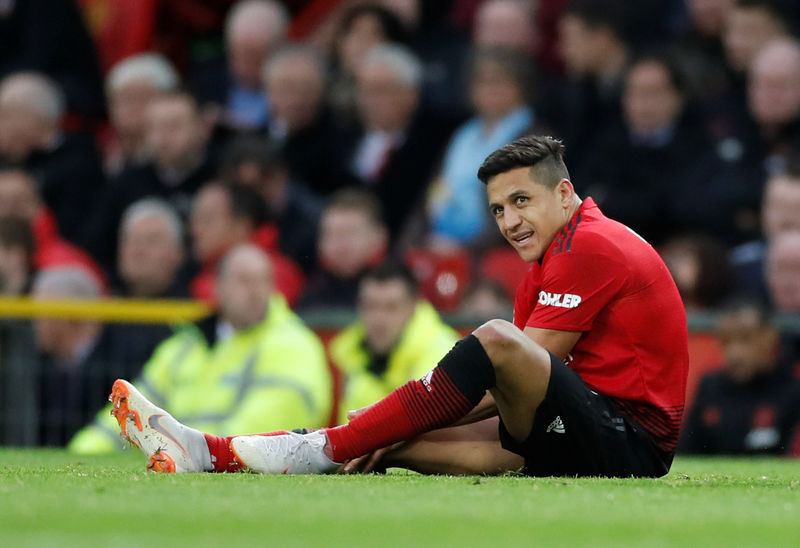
544 155
393 271
599 14
359 200
264 153
17 232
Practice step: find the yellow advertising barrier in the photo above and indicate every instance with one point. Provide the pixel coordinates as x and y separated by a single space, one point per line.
107 310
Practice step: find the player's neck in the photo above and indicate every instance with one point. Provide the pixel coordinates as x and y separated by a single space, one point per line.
573 207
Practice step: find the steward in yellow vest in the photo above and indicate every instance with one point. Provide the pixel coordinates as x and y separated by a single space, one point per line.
396 338
253 368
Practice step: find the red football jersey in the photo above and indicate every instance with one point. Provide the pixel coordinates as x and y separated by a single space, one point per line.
601 278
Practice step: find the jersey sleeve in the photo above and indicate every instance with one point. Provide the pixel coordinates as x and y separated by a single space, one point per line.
526 295
575 288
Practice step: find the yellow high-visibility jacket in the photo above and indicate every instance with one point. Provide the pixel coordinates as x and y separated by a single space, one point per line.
272 376
424 341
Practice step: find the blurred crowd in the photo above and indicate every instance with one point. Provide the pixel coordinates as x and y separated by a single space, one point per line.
333 166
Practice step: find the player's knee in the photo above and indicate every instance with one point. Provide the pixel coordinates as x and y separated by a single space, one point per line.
497 336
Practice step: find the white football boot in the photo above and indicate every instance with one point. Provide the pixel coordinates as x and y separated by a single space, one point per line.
170 446
290 453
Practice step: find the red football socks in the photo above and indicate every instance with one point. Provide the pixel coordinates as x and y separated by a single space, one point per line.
442 397
222 458
414 408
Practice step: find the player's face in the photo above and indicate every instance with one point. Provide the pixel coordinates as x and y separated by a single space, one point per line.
529 214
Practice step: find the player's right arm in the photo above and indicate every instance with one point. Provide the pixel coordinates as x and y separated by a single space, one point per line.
554 341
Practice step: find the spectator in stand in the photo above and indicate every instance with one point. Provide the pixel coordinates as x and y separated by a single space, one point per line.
79 358
432 35
783 271
151 265
253 30
507 23
252 366
51 36
400 141
353 239
773 92
641 169
16 255
752 405
294 79
395 339
151 251
751 25
66 165
17 349
779 209
224 216
700 50
130 86
291 206
177 143
486 299
499 88
595 53
363 27
19 198
700 268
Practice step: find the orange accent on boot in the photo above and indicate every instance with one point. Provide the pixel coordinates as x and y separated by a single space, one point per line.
240 465
119 399
161 462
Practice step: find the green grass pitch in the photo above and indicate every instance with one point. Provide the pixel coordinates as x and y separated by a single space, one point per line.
50 498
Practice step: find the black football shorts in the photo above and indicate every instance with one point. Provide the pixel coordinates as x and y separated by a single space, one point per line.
579 432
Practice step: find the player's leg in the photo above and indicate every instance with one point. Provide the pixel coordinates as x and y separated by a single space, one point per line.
522 374
169 445
497 357
459 450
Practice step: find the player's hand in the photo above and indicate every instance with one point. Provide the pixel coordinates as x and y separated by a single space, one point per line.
366 463
353 413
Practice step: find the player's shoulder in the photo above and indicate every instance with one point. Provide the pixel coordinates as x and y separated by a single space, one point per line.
591 232
591 237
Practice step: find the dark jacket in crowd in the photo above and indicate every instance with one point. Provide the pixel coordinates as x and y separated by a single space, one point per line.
19 424
408 171
298 226
70 178
132 184
50 36
42 402
579 111
673 183
760 417
316 155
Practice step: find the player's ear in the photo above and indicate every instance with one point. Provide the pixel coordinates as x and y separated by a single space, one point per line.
565 191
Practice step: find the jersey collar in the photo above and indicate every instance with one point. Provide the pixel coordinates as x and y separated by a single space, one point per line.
563 240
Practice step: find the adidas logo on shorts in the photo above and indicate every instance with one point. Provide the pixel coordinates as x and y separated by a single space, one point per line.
557 426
